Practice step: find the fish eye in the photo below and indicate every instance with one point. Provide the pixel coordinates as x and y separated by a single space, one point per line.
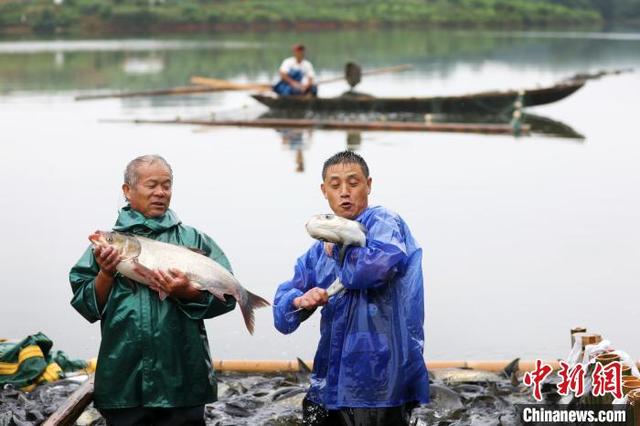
110 239
328 216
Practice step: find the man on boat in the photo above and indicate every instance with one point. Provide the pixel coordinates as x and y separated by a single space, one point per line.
154 365
296 75
369 367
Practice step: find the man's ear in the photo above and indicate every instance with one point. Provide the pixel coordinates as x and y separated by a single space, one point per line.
125 190
324 193
369 185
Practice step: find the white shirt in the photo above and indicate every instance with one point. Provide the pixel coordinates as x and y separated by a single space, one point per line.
305 67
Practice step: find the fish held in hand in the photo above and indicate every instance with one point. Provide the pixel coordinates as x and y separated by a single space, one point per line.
141 256
337 230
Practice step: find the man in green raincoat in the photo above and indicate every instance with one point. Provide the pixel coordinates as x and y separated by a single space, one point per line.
154 365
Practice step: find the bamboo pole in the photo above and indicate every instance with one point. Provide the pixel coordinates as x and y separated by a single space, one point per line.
347 125
186 90
385 70
271 366
230 85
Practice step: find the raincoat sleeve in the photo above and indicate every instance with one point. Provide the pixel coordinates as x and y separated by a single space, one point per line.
83 284
303 280
383 257
208 306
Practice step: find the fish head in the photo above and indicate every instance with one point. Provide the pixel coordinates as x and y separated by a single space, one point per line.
335 229
121 242
324 227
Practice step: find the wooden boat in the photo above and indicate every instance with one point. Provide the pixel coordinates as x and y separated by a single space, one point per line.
479 103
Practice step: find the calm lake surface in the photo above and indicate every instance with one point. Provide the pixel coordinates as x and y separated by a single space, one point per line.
523 238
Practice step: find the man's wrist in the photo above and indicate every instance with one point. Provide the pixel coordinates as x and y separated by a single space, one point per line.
108 275
192 294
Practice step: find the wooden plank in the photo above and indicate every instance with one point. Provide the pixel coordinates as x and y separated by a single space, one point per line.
73 407
351 125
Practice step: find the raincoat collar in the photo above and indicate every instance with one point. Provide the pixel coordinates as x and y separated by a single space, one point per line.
129 218
364 212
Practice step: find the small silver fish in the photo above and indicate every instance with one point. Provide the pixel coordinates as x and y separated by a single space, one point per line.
141 256
338 230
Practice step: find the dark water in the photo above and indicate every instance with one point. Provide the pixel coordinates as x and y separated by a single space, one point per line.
523 237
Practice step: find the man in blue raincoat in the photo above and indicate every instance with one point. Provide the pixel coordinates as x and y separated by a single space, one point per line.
369 368
296 75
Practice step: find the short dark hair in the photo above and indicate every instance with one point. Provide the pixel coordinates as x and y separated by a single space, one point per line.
345 157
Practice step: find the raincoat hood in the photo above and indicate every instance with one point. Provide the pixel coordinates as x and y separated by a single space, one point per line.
129 218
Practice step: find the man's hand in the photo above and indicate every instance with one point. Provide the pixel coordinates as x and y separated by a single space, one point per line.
312 299
175 283
107 258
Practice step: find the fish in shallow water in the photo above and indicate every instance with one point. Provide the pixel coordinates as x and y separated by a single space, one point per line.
141 256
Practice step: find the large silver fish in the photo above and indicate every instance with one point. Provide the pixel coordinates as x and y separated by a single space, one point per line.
338 230
141 256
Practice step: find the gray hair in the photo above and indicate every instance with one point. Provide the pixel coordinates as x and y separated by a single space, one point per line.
131 172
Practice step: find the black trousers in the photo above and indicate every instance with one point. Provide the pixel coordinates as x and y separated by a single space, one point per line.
316 415
143 416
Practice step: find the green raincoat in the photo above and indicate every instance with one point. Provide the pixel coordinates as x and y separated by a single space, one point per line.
153 353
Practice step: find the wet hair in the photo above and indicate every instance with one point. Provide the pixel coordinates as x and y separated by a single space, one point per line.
345 157
131 172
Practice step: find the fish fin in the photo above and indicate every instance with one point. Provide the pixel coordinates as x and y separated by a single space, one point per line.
343 251
252 302
195 283
511 368
143 271
218 295
362 228
302 366
162 295
197 250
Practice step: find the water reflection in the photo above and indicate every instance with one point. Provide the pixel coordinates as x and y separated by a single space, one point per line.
91 64
299 140
538 124
354 140
501 220
296 141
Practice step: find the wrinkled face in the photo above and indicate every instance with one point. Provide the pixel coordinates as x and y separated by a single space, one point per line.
347 189
151 194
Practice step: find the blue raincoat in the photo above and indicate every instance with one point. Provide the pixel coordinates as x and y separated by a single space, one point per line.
371 335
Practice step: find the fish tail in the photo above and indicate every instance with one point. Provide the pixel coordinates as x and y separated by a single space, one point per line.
251 302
